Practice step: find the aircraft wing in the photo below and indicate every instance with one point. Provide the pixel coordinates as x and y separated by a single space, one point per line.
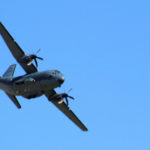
15 49
66 110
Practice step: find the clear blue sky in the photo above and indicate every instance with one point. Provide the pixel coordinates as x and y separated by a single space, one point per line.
103 50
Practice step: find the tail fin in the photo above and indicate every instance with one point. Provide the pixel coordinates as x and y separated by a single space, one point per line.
10 72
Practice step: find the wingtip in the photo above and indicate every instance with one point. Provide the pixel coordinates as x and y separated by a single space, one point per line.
85 129
19 106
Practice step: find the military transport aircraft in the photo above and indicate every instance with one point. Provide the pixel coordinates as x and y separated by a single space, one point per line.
34 84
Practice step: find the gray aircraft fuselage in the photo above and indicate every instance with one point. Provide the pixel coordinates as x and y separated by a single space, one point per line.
32 85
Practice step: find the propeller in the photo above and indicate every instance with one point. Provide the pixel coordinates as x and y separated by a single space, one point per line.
66 96
60 97
35 57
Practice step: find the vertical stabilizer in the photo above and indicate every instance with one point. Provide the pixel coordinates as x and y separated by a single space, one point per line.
10 72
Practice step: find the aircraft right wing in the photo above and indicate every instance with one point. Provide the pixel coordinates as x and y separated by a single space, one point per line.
66 110
15 49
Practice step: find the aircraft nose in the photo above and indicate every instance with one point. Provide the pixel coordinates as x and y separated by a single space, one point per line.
60 80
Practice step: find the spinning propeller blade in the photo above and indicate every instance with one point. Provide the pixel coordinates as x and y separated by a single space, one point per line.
35 57
39 58
66 96
36 62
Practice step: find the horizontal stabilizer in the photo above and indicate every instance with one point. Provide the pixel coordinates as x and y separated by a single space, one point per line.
14 100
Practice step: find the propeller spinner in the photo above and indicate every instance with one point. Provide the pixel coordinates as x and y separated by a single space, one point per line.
66 96
34 57
61 97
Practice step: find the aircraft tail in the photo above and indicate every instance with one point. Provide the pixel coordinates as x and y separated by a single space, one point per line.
14 100
9 72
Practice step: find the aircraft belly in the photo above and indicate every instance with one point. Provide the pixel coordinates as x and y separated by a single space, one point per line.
9 89
47 85
32 90
27 88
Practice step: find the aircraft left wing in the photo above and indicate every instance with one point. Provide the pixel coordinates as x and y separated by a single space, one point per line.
66 110
15 49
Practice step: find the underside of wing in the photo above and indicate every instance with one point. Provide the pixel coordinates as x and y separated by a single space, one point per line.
29 68
15 49
12 45
67 111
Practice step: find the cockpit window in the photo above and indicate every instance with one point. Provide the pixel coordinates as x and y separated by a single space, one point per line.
56 71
